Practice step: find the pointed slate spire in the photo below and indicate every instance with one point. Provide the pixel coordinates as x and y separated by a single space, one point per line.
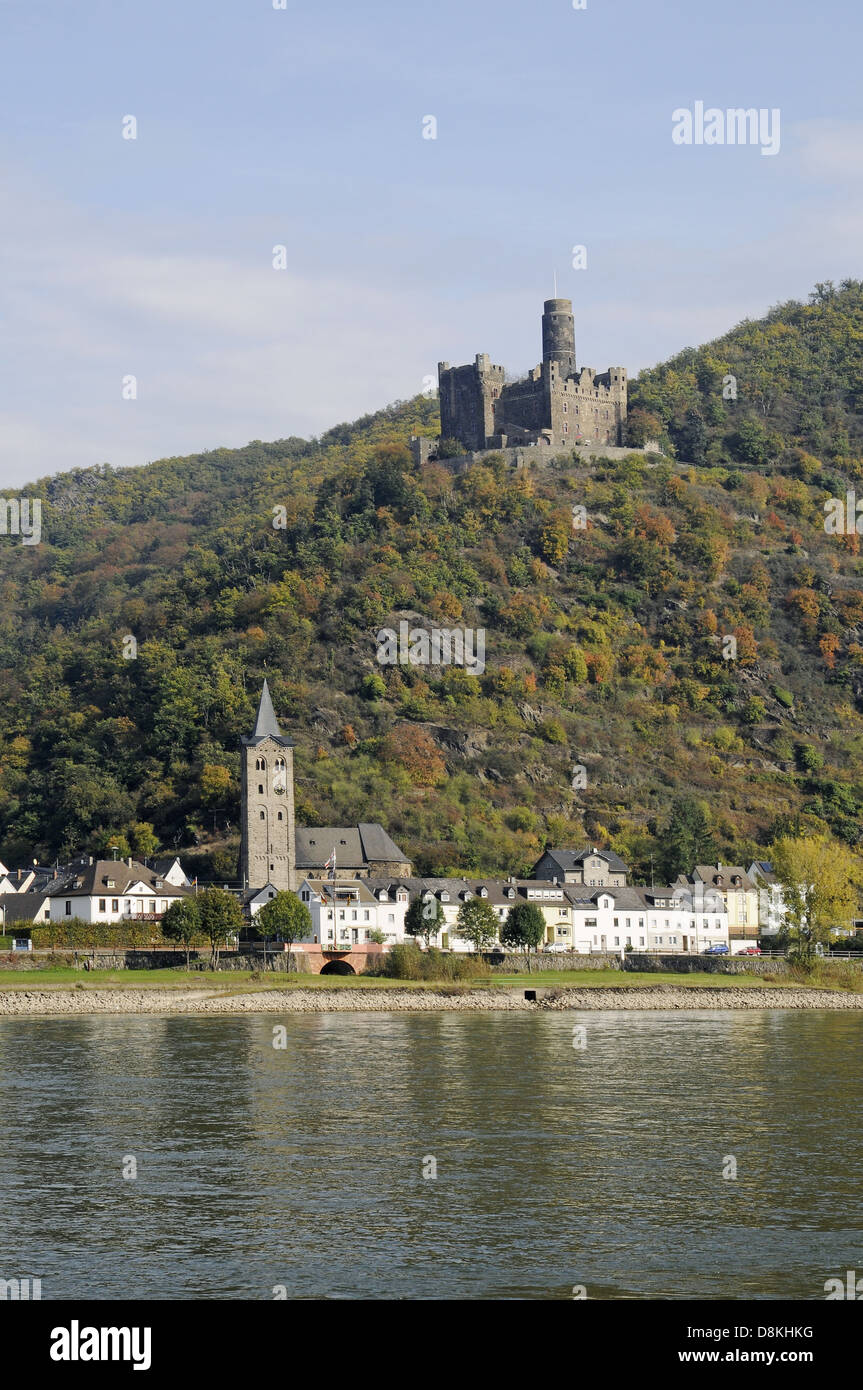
266 722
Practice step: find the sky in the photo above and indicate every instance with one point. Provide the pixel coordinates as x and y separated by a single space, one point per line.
303 127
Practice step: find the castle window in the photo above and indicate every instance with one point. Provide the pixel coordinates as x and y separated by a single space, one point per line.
263 816
565 427
260 789
260 764
280 764
281 817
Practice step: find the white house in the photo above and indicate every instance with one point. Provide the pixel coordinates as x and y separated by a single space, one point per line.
345 911
772 907
684 920
109 890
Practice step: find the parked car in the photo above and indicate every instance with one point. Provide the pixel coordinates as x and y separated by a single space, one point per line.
751 951
720 949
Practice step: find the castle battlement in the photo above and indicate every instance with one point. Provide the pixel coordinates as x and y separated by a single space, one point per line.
555 404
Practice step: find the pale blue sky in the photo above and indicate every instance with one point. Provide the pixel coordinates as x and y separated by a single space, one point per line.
303 126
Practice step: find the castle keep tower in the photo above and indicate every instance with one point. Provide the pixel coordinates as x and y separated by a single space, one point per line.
268 853
557 405
558 334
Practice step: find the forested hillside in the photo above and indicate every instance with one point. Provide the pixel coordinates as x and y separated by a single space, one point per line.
606 646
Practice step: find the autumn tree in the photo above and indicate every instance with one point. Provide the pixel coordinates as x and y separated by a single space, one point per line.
414 750
819 878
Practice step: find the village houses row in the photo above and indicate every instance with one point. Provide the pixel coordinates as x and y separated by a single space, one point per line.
585 898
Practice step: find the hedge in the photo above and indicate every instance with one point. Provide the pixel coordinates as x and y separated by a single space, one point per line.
75 934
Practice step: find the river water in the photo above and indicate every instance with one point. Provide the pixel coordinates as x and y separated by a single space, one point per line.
308 1169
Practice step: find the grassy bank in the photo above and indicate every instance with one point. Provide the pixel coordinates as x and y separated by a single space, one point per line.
255 981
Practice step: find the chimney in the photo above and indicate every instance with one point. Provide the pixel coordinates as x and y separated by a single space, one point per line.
129 861
19 875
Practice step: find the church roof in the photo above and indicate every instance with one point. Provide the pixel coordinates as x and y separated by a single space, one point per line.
266 724
355 846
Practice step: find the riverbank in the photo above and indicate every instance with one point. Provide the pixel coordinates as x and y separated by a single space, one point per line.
398 998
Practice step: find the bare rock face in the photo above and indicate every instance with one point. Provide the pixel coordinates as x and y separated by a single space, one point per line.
470 743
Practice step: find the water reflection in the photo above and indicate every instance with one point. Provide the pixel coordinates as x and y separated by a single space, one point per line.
556 1166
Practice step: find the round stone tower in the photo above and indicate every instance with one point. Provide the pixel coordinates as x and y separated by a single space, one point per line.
558 334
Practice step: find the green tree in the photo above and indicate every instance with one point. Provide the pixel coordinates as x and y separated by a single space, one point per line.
477 923
687 839
284 918
524 929
424 918
143 839
182 922
220 917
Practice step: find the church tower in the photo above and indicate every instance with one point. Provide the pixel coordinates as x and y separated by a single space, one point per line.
268 853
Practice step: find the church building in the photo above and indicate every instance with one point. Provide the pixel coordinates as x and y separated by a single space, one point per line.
275 855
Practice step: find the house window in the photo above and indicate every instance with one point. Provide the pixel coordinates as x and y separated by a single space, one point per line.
68 909
391 916
115 904
101 904
617 921
617 941
365 914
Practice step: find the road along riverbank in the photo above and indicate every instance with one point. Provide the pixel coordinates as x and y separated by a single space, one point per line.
346 1000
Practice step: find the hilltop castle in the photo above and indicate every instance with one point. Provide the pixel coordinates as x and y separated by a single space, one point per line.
555 405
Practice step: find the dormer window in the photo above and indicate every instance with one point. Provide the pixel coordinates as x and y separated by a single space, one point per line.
483 892
444 897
